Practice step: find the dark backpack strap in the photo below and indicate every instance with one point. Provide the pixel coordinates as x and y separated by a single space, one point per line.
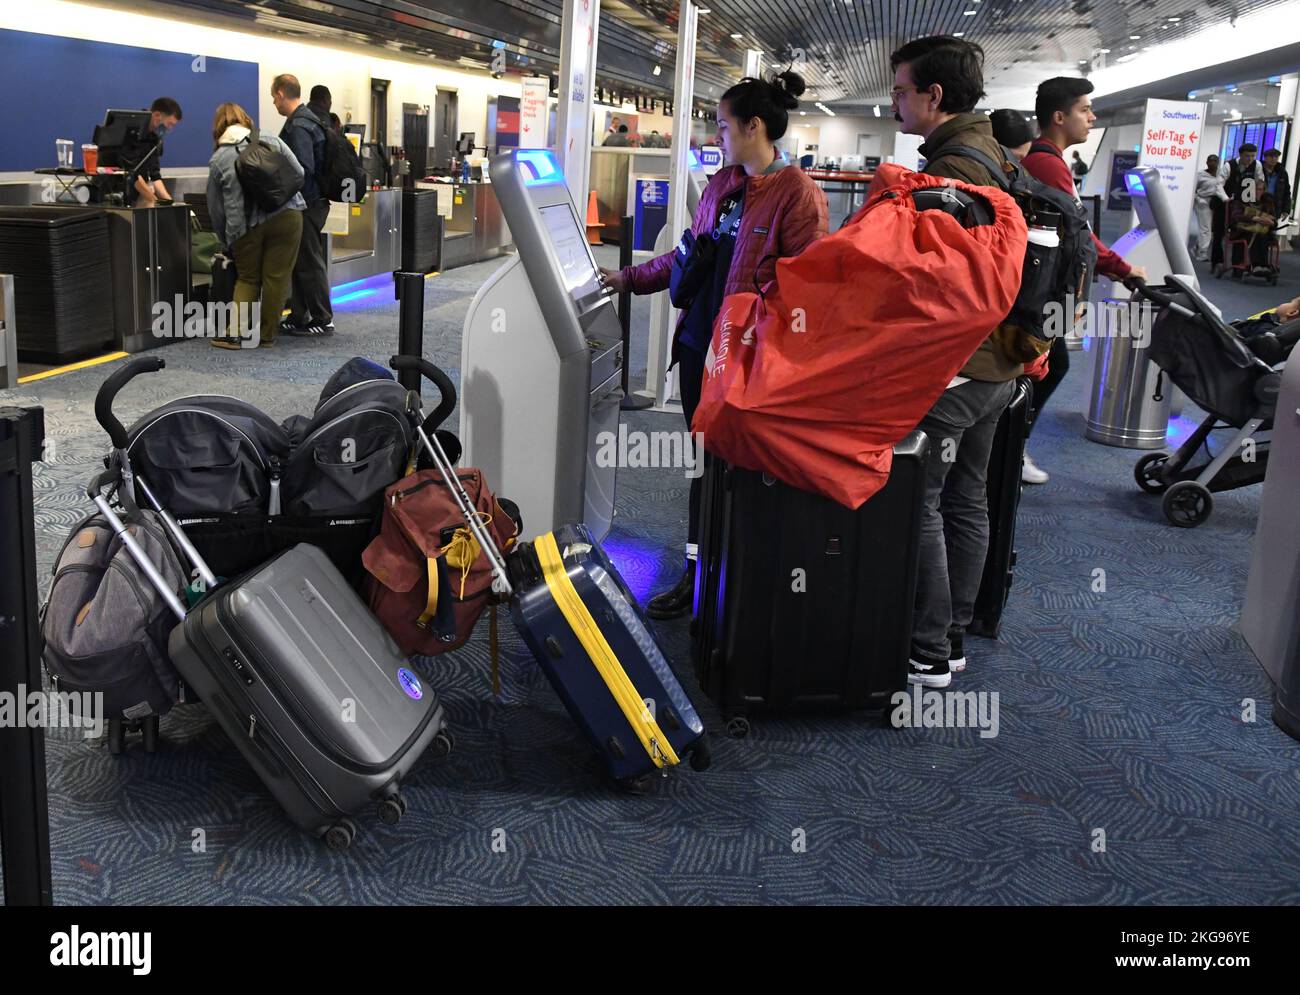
1039 145
966 152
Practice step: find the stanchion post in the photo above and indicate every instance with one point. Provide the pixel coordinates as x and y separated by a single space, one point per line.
24 819
409 290
630 402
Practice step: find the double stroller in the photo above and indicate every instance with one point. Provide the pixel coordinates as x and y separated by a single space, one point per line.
216 478
244 487
1231 371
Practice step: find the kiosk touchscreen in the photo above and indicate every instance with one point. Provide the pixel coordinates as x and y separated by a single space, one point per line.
542 357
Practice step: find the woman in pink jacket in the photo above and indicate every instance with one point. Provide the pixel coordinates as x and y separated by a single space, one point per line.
756 209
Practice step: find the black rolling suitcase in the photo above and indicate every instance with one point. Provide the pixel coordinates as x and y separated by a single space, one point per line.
1004 487
297 671
800 601
588 635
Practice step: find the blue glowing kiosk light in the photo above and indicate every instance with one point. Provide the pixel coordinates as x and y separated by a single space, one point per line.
1134 183
540 166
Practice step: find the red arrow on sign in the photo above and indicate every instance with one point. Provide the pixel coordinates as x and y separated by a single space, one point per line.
1192 136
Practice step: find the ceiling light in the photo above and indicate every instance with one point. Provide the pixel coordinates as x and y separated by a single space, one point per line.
876 108
1134 37
1104 51
958 34
737 34
656 70
968 13
705 10
1175 19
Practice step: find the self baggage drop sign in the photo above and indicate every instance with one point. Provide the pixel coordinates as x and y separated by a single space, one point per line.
1171 137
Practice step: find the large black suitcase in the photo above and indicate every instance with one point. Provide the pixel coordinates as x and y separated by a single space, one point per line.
1004 501
800 601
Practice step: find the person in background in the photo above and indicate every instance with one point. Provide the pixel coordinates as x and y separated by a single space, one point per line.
264 245
1210 197
310 312
1277 182
147 153
757 211
1012 131
1064 112
1079 169
1255 225
937 82
618 139
1243 181
319 102
336 123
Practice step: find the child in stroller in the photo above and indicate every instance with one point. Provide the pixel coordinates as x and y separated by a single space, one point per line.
1250 246
1233 373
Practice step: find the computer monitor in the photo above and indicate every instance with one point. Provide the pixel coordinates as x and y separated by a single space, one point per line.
120 128
356 129
465 144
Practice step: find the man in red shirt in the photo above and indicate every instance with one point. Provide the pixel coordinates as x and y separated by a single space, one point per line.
1065 117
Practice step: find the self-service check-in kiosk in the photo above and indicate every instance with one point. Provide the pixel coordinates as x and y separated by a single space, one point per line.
661 332
1130 405
542 357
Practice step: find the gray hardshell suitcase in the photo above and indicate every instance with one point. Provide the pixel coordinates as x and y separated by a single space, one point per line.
312 690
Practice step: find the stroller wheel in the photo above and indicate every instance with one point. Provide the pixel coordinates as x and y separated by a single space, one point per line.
1187 504
1148 473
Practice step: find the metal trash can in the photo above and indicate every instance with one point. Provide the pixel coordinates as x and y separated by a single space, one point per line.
1126 409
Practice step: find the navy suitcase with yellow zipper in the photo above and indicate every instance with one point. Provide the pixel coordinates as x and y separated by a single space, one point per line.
584 627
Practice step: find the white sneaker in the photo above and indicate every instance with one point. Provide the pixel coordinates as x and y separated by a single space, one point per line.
1031 474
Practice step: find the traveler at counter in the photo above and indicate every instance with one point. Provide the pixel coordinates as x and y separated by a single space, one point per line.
147 153
755 211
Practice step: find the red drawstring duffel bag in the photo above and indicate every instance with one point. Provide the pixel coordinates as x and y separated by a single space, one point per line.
843 353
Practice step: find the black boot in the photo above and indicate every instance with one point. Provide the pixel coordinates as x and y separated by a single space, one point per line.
676 601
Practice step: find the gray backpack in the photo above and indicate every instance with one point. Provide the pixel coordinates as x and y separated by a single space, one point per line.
105 627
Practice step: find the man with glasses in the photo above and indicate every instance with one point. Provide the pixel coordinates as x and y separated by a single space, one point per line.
937 82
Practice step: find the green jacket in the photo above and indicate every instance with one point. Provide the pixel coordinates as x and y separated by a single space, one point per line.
989 362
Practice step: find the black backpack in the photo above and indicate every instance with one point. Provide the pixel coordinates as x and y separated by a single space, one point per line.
1051 275
341 176
265 173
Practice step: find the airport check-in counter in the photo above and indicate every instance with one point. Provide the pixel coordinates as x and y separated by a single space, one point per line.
477 228
373 243
542 358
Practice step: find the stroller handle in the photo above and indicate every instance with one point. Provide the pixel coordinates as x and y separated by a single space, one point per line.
109 389
438 378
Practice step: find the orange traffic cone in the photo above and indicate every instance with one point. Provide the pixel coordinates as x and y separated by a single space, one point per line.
593 221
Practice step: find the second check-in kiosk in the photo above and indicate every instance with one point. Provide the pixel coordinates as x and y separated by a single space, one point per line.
541 358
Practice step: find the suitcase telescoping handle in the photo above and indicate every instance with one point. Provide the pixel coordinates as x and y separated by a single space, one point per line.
500 580
96 494
108 392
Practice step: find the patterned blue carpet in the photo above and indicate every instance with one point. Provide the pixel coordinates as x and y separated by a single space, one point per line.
1120 711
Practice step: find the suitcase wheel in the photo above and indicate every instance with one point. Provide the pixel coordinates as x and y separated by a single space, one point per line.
639 785
702 755
340 835
391 810
442 744
116 736
738 727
